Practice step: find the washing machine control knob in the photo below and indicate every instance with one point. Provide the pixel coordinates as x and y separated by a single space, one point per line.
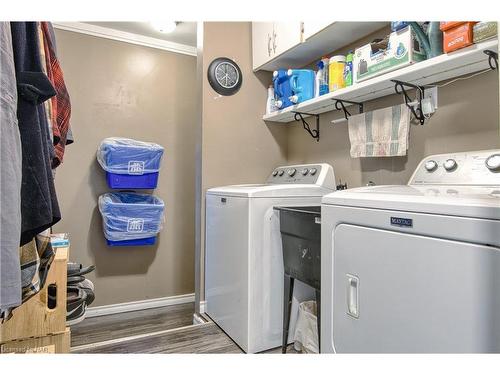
275 173
450 165
304 171
291 172
493 162
431 166
312 171
280 172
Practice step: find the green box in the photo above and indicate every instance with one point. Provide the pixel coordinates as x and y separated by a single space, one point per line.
402 50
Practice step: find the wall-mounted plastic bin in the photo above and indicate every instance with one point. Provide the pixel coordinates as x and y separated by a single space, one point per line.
131 219
125 181
130 164
139 242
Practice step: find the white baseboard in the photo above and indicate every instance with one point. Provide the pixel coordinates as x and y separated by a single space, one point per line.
203 307
139 305
198 319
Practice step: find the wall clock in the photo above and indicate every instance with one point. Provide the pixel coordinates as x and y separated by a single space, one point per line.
224 75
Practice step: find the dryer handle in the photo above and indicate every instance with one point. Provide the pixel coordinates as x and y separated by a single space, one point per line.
352 296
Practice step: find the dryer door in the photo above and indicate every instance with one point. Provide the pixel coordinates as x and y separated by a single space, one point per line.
398 292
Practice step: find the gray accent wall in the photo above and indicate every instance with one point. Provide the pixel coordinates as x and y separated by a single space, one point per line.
120 89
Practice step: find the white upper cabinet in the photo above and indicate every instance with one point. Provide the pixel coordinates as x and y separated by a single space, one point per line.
286 36
262 43
271 39
282 45
313 27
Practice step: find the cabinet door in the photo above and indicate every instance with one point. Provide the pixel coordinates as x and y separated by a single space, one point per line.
286 36
313 27
262 34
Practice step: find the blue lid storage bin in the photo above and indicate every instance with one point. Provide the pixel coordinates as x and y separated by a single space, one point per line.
131 219
130 164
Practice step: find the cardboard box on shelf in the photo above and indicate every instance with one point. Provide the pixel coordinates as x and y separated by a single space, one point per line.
484 31
403 49
446 25
458 37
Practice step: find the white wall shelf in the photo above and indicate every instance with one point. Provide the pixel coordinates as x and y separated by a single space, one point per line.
447 66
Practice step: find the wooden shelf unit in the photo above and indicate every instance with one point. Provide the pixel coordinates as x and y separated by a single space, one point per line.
34 322
447 66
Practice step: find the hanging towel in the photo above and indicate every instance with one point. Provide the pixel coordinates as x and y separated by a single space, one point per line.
383 132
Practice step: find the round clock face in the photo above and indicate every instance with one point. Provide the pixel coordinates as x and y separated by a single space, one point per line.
224 75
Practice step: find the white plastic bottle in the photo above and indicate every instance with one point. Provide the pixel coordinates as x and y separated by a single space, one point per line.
317 82
271 101
321 81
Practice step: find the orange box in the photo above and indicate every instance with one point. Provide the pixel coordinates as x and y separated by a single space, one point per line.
445 25
458 37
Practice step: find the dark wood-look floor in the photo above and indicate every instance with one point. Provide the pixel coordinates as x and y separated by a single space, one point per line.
160 330
109 327
205 338
200 338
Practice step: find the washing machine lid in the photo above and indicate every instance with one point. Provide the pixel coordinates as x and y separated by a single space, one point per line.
466 201
270 190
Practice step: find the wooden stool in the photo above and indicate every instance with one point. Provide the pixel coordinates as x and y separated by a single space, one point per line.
36 326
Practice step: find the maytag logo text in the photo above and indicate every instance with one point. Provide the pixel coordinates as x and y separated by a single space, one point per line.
401 222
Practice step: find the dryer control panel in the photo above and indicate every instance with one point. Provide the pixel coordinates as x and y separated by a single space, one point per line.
475 168
316 174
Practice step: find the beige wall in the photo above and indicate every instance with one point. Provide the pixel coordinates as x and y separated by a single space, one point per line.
238 147
119 89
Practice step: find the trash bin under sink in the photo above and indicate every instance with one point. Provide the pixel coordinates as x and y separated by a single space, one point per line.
300 229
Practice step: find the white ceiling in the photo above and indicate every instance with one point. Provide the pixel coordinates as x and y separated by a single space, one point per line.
184 33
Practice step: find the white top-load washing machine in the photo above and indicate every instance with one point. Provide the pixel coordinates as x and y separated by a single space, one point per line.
415 268
244 259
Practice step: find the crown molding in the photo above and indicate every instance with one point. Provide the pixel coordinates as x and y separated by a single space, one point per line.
123 36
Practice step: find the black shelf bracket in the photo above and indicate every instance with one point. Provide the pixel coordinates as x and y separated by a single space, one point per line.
299 116
339 106
492 58
400 88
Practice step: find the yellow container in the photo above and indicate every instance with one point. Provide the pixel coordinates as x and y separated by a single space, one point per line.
336 73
